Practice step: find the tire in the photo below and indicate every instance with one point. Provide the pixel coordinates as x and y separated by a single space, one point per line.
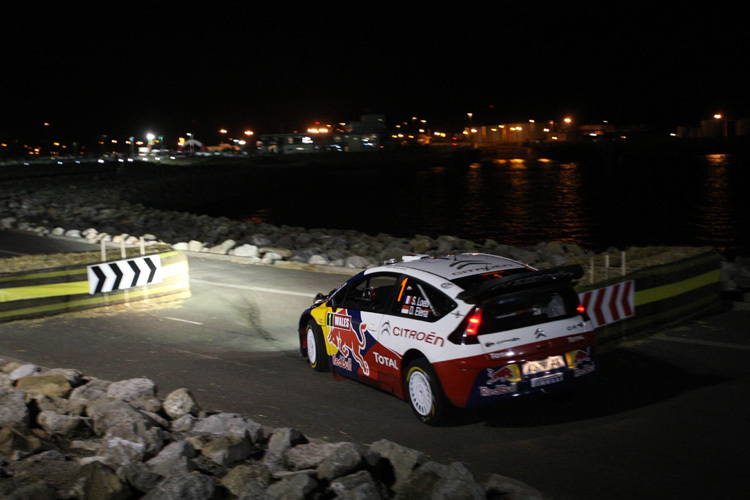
424 393
316 348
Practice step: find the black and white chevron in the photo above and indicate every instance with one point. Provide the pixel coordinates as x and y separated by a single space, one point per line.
122 274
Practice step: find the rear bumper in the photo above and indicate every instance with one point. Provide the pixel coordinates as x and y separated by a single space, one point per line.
472 384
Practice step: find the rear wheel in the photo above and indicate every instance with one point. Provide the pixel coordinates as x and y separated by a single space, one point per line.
316 348
424 392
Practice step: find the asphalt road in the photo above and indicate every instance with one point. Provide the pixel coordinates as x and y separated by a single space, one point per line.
668 415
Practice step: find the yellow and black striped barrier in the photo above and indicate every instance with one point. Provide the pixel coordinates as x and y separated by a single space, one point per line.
31 294
666 293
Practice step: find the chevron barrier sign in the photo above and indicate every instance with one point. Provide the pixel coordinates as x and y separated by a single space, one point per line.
610 304
122 274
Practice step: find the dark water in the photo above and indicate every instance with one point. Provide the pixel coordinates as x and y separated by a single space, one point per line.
643 199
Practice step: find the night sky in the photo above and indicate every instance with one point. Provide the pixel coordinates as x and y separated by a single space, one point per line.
279 66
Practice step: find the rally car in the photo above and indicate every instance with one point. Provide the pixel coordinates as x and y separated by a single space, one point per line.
464 330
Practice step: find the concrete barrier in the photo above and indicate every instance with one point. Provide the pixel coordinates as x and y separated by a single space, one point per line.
666 293
32 294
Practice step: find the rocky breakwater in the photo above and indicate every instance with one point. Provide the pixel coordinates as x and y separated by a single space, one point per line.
64 435
98 211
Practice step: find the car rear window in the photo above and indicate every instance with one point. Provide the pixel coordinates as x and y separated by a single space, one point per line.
529 308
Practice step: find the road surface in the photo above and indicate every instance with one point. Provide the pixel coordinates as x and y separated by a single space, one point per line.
667 415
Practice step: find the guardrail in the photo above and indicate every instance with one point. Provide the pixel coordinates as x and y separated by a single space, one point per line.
660 294
31 294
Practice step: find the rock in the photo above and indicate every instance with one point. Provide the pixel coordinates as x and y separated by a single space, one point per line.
183 487
317 260
357 262
346 458
106 415
24 371
434 480
195 246
237 479
91 391
175 458
309 456
245 251
224 248
279 442
138 476
61 406
63 425
14 443
179 403
231 424
359 485
128 390
498 486
403 459
13 409
48 385
297 487
283 253
75 377
225 450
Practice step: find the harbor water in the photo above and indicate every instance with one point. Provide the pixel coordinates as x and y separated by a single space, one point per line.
627 200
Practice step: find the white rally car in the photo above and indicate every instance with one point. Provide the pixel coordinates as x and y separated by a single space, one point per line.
463 330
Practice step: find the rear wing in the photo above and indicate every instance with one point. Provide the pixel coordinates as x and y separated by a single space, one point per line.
521 281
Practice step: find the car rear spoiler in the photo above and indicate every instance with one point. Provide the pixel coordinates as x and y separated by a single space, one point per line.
520 281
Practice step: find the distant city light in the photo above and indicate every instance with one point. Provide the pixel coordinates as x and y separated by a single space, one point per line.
718 116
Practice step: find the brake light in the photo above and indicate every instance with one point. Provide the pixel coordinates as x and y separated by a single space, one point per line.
475 320
467 332
581 309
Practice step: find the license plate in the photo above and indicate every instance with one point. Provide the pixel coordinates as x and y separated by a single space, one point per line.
543 365
547 380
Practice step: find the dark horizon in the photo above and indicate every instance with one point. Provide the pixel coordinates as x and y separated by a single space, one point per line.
280 68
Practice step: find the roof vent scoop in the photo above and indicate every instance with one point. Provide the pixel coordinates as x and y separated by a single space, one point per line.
413 256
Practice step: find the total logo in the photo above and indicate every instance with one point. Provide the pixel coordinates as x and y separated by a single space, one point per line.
384 360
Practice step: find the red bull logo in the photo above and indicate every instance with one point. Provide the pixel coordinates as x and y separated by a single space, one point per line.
581 362
348 342
502 375
576 358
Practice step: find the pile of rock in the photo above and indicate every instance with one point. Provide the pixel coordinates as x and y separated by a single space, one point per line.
98 213
65 435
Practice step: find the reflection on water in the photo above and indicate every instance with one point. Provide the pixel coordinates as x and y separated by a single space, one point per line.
715 210
642 200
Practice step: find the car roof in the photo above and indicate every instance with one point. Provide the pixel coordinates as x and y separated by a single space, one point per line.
456 267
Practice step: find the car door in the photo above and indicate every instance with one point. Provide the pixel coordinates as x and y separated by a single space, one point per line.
353 326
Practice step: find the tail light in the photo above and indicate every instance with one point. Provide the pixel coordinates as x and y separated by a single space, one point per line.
582 311
475 321
468 330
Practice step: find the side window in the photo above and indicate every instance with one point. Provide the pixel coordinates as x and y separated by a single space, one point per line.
371 293
416 299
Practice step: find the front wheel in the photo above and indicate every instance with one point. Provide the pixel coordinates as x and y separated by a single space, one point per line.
316 349
424 392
